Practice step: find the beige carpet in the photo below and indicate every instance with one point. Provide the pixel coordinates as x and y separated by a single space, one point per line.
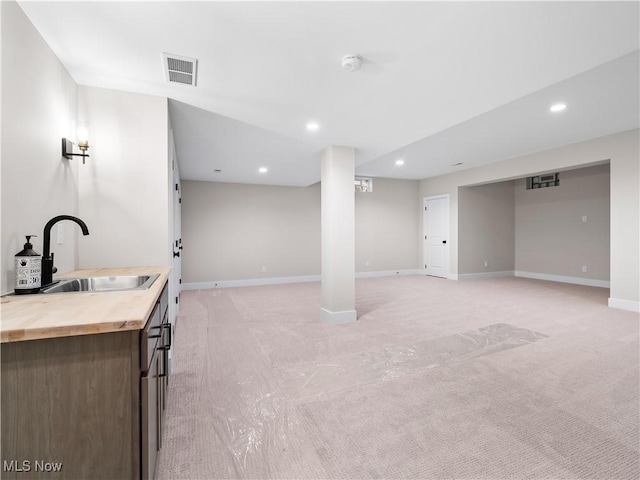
493 379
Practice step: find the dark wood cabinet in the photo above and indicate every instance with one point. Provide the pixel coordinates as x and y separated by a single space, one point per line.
87 406
163 377
155 341
150 415
150 393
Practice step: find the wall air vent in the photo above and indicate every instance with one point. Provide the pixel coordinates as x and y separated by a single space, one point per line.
543 181
178 69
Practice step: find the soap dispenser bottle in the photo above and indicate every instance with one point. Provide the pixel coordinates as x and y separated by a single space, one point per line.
28 269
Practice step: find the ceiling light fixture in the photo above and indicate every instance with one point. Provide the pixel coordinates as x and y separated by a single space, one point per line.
558 107
399 162
263 169
312 126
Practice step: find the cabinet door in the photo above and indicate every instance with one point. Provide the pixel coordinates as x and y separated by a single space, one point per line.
150 419
162 394
163 382
70 400
166 346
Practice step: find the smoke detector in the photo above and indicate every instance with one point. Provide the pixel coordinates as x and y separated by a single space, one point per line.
351 62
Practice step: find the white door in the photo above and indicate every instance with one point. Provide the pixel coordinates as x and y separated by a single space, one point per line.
436 235
175 279
177 240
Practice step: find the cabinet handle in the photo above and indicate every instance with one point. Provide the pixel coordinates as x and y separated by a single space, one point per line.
168 325
164 363
154 336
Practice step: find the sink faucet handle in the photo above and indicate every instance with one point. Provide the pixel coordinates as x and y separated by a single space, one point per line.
53 269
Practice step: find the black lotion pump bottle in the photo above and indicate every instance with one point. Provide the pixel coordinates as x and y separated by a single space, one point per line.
28 269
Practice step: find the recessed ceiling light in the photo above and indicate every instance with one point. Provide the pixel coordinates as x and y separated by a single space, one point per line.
558 107
399 162
263 169
312 126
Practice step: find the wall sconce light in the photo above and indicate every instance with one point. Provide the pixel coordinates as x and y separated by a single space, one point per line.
82 140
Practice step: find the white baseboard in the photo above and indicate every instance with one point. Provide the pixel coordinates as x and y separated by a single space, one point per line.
252 282
590 282
389 273
484 275
452 276
336 318
624 304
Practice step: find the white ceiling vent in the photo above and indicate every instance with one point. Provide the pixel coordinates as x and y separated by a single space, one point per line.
178 69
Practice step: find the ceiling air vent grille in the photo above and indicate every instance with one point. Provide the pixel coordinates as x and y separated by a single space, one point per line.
179 69
543 181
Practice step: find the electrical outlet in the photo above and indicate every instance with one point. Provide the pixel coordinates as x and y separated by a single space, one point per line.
366 264
60 233
264 269
584 218
584 269
486 263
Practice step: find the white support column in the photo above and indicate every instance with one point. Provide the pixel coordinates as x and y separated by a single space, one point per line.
338 235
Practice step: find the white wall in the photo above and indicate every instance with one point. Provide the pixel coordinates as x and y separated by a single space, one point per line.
230 231
551 237
486 228
122 192
38 105
125 185
387 235
622 149
625 228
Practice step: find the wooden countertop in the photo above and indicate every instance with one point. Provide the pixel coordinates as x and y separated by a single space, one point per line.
50 315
